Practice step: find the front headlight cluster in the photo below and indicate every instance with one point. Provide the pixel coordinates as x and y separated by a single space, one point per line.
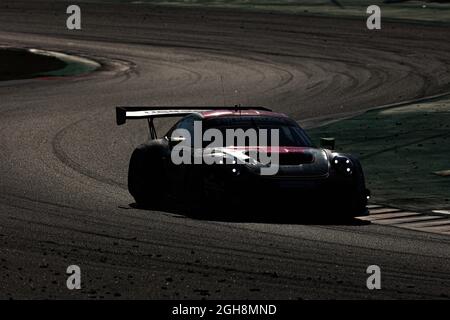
343 165
235 171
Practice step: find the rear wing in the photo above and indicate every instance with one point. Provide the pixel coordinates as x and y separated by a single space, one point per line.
124 113
151 112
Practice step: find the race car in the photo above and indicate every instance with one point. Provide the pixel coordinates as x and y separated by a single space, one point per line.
194 162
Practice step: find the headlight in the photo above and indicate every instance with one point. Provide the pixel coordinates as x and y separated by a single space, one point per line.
343 165
235 171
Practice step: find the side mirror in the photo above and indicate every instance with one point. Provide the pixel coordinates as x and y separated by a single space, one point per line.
327 143
173 141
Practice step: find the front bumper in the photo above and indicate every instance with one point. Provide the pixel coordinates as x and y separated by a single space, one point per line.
303 193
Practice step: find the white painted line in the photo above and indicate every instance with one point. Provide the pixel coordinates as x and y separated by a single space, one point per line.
390 215
66 57
442 211
434 223
406 220
382 215
383 210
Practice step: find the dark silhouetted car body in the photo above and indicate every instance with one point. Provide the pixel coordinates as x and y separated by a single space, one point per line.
308 177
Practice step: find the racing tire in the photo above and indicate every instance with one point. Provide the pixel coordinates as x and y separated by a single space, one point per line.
357 200
146 178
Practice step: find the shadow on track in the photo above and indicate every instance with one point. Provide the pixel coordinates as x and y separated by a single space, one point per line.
245 214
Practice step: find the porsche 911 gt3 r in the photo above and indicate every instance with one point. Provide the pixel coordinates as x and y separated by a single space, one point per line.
309 176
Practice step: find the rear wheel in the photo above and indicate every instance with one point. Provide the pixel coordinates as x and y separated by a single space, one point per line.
146 178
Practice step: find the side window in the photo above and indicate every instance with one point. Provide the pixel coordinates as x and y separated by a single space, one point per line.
186 123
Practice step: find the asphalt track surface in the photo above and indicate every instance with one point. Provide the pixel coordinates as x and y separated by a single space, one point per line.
63 196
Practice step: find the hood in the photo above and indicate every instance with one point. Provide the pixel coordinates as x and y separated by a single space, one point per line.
292 161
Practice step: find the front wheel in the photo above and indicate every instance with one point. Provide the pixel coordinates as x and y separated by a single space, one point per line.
357 195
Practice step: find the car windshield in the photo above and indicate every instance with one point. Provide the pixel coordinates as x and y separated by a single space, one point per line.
290 134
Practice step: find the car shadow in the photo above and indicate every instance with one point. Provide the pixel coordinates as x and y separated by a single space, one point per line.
243 214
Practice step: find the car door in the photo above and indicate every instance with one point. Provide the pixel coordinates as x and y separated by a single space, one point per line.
178 172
